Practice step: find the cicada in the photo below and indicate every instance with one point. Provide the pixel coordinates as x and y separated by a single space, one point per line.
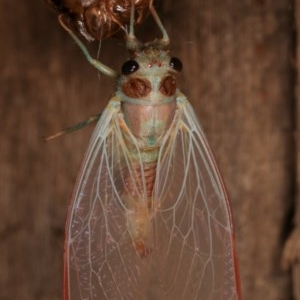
149 217
98 19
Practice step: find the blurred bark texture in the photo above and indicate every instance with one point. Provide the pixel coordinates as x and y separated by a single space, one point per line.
241 60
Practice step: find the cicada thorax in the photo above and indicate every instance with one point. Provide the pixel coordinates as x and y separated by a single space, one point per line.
98 19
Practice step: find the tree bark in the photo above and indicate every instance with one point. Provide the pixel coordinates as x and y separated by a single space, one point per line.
291 253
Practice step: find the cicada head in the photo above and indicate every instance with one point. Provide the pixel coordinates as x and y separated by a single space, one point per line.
150 75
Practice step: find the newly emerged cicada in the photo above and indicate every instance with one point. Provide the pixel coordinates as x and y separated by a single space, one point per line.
149 217
99 19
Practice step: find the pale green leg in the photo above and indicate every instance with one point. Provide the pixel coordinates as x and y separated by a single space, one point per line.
132 42
165 37
97 64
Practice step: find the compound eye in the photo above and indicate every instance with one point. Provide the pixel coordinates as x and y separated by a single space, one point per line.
176 64
129 67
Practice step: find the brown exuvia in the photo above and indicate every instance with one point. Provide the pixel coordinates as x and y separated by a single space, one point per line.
98 19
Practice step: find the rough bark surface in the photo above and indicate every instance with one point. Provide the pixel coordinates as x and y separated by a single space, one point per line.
291 252
239 73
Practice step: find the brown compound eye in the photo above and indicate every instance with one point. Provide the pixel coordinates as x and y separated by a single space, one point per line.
168 86
136 88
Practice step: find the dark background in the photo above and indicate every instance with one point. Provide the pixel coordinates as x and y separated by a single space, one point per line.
240 73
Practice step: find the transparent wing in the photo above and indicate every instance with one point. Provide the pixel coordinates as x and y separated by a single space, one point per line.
100 257
194 236
191 252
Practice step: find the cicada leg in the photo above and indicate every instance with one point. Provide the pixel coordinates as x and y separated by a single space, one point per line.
165 40
96 63
132 43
